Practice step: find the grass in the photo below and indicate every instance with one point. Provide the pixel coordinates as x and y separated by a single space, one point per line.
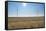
25 22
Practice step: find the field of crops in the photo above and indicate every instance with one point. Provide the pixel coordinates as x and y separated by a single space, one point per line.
25 22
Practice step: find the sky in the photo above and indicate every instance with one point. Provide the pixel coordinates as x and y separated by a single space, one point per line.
16 9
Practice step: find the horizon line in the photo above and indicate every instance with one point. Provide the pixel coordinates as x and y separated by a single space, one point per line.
29 16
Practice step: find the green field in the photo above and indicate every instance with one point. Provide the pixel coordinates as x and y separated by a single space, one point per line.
25 22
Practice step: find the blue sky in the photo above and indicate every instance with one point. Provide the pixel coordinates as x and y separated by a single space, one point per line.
27 9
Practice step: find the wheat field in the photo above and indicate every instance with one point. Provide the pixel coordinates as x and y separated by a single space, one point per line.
25 22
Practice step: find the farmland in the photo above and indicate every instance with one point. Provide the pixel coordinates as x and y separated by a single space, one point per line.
25 22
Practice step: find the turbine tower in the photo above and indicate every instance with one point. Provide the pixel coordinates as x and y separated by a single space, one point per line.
37 13
17 11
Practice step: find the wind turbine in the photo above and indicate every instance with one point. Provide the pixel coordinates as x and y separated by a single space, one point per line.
37 12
